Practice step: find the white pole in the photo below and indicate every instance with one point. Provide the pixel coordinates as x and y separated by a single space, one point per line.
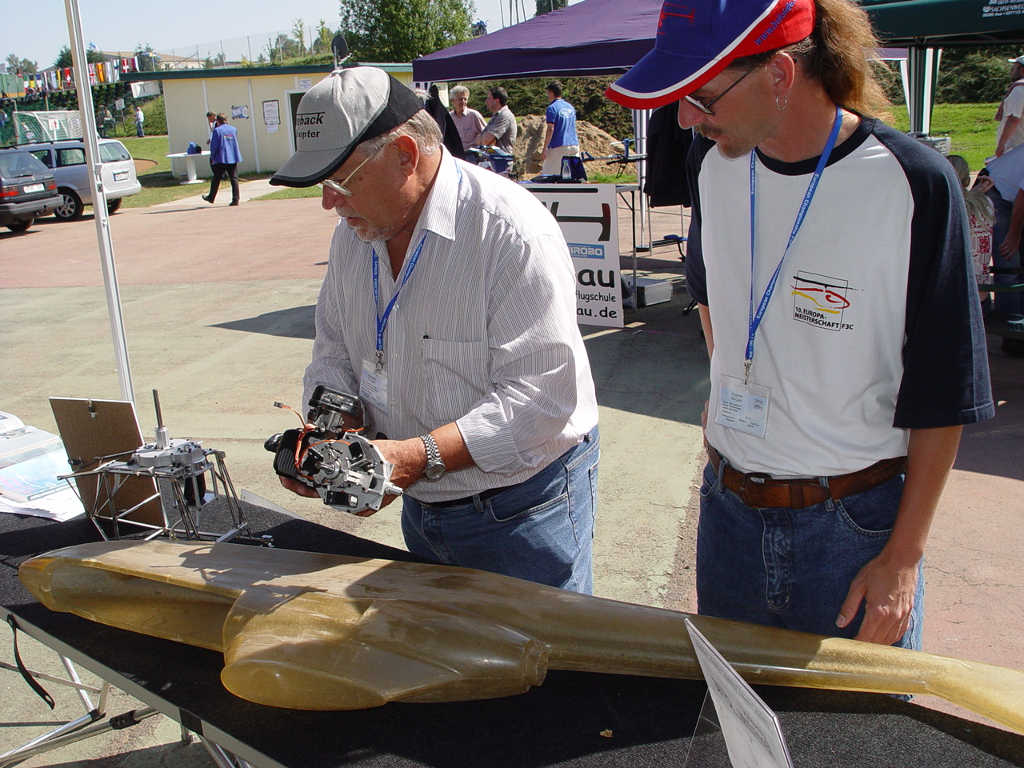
252 120
905 79
640 119
99 207
926 93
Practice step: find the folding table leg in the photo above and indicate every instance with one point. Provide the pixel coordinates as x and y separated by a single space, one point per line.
79 728
75 730
222 757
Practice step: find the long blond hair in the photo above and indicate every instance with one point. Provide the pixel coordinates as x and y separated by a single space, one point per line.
837 54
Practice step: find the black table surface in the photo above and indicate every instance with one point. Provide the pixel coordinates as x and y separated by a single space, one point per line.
573 719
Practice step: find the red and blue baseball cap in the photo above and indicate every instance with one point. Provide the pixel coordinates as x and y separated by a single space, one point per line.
697 39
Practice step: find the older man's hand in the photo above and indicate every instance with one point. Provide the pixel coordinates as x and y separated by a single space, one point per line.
409 457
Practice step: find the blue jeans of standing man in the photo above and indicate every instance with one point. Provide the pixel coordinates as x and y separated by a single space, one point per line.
541 530
792 568
1006 303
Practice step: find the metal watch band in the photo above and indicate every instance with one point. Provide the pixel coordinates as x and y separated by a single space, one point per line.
435 464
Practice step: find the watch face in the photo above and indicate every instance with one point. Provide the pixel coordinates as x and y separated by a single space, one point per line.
434 471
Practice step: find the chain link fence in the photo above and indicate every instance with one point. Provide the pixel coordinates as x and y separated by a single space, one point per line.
260 47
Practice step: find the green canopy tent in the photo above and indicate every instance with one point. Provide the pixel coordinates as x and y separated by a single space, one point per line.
926 26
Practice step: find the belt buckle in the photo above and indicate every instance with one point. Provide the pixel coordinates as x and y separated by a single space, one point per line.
750 482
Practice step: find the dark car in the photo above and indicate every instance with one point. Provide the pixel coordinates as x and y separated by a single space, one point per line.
27 189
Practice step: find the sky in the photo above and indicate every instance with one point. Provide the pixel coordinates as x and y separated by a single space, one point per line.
180 27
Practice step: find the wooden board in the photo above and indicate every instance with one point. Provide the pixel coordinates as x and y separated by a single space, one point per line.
92 429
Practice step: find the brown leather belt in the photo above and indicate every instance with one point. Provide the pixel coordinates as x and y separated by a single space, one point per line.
484 495
760 490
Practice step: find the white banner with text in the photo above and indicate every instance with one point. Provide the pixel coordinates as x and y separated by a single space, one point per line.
589 220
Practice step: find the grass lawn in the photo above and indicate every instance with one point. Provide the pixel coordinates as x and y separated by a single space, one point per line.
287 193
626 177
971 128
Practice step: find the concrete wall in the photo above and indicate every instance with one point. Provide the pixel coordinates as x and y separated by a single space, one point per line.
263 150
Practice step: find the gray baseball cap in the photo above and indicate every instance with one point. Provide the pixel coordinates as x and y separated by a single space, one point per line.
1018 60
347 107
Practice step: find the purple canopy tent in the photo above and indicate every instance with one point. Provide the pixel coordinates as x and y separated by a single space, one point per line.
595 37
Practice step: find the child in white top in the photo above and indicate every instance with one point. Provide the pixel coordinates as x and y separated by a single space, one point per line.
980 215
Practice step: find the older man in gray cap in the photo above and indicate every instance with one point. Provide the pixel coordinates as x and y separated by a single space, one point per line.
449 306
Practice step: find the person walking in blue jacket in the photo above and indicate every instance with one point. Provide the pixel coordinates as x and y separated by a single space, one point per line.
224 158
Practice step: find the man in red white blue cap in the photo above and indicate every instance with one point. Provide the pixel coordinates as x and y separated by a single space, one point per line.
827 254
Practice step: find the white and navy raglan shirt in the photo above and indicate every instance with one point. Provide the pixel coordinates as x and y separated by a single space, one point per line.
875 325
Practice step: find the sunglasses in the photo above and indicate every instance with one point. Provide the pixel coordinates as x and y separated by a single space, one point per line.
705 106
341 187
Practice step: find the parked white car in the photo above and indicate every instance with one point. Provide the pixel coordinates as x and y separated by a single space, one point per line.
66 158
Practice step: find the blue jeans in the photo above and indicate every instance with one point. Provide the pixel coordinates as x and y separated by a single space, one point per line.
792 568
541 530
1007 303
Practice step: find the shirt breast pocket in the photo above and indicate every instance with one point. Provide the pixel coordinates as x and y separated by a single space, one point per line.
454 377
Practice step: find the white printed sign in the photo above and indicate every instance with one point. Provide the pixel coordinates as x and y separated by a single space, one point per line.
145 88
271 112
752 732
588 218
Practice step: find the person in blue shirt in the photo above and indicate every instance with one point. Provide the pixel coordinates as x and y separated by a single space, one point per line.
560 138
224 158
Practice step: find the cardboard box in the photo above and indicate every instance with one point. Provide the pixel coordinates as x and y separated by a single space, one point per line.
648 291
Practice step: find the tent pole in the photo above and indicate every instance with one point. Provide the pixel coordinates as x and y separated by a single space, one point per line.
640 119
99 207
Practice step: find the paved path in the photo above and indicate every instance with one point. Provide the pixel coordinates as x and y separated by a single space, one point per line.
247 190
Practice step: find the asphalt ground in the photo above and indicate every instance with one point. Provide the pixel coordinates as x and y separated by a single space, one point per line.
218 310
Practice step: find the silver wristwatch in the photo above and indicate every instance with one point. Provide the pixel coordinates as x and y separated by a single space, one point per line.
435 464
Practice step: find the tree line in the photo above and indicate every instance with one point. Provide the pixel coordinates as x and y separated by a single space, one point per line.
402 30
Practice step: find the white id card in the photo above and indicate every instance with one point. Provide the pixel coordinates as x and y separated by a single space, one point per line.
373 386
743 407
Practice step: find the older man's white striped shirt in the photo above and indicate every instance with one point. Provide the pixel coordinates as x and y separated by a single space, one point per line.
483 333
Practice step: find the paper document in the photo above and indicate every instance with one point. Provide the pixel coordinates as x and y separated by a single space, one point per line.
31 461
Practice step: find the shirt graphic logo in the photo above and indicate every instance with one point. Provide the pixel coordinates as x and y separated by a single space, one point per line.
822 301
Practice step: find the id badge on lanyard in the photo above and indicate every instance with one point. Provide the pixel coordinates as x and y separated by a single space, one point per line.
373 386
742 404
743 407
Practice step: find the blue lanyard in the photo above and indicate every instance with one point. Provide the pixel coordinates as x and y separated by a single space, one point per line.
382 320
754 318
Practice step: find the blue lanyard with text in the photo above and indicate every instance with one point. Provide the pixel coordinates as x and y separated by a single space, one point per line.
382 320
754 318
